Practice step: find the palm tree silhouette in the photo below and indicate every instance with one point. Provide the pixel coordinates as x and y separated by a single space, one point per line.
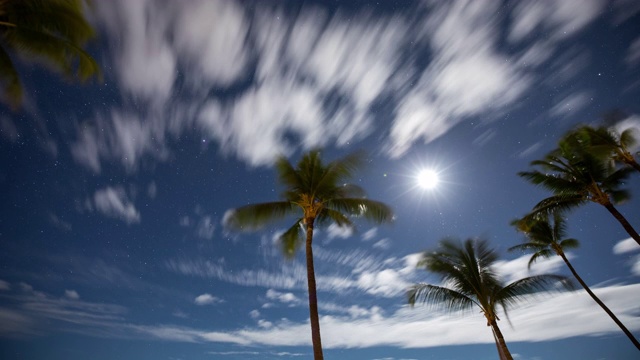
576 177
545 240
466 270
319 193
53 30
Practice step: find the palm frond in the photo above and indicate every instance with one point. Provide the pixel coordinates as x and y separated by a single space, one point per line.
629 138
569 243
9 79
292 239
332 216
519 289
558 203
441 297
542 253
255 216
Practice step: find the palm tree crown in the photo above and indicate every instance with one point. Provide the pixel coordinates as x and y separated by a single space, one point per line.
576 177
545 240
55 30
609 144
321 193
470 280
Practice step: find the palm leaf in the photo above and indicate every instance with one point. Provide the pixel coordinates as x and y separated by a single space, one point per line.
442 297
292 239
255 216
517 290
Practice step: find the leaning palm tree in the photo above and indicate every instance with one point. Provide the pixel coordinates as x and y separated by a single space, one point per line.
319 193
545 240
470 280
610 144
576 177
52 30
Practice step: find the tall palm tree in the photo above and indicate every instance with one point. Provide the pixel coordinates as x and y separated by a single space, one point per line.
608 143
53 30
545 240
576 177
319 193
470 280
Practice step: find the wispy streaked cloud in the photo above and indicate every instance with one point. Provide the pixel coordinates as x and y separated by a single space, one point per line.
113 202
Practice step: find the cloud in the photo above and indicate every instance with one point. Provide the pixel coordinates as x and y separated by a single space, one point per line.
336 231
625 246
145 63
369 234
512 270
8 129
113 202
285 298
559 19
570 105
383 244
467 75
206 299
71 294
358 327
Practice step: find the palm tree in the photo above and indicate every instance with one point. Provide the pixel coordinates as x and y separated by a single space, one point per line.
467 271
55 30
545 240
577 177
320 194
608 143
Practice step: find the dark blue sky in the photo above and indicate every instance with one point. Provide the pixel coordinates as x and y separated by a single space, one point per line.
112 241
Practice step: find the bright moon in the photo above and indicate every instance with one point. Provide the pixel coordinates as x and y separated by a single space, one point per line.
428 179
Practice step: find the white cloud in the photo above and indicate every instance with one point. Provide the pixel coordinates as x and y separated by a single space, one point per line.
516 269
211 36
71 294
286 298
254 314
207 299
359 327
625 246
560 19
113 202
336 231
145 62
369 234
421 327
570 105
383 244
467 75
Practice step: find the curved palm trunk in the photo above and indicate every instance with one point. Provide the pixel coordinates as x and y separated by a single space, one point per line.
625 224
634 164
313 297
602 305
503 351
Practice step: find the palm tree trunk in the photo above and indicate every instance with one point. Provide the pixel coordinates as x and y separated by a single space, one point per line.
634 164
313 297
623 221
503 351
602 305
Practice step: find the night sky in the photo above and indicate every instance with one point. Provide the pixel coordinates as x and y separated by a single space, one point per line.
114 193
